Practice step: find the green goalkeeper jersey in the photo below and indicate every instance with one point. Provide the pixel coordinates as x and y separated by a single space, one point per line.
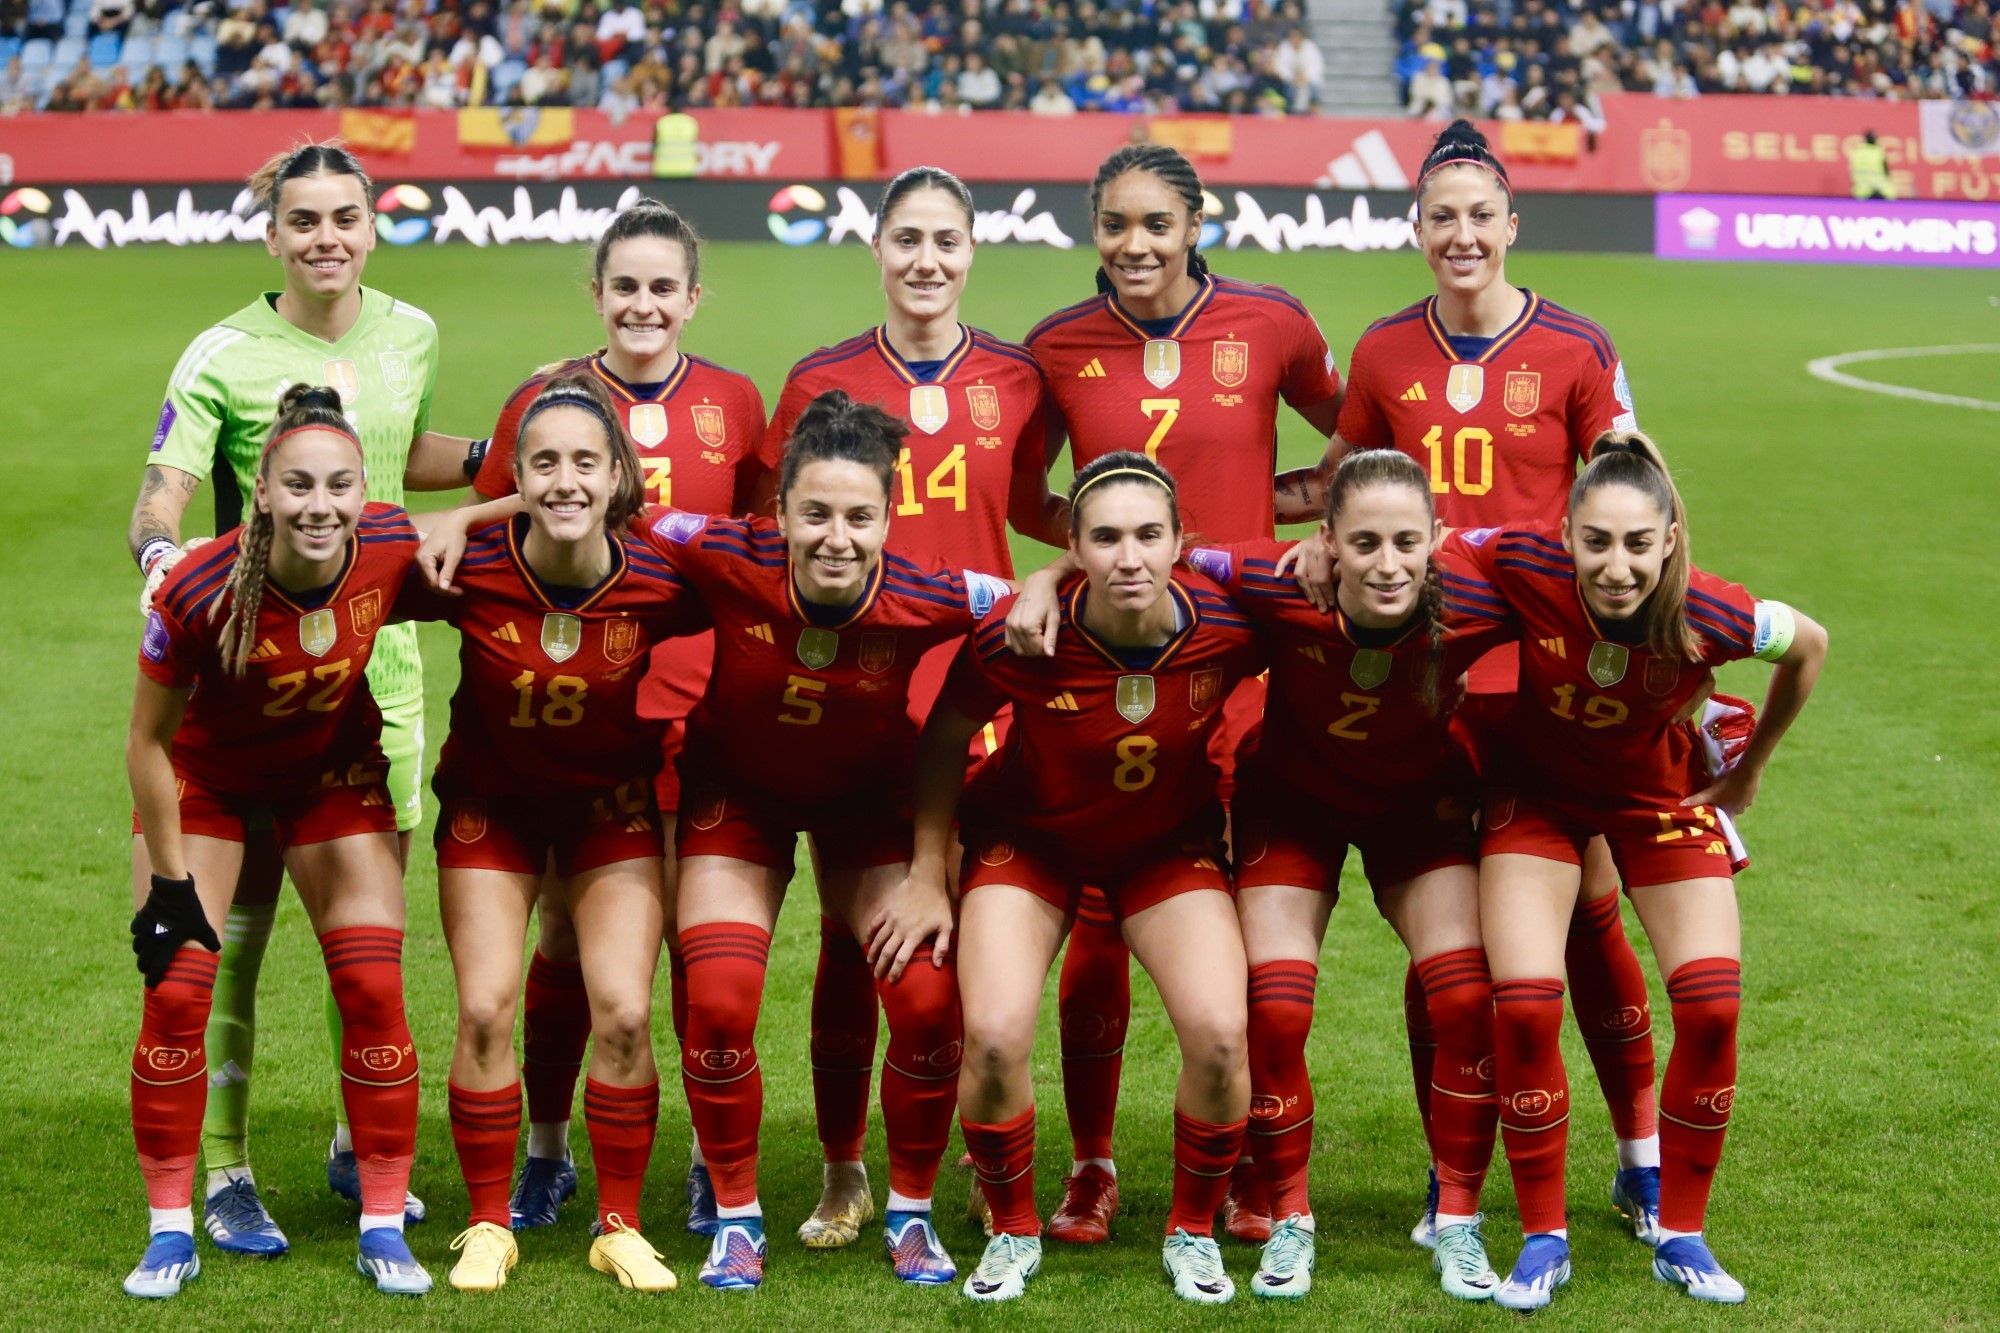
223 399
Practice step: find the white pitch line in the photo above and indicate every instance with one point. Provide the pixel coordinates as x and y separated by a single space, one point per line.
1828 368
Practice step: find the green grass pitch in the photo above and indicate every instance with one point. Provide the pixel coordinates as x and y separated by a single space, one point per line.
1858 1190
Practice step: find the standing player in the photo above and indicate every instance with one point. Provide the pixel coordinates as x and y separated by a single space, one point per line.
1189 369
1106 779
283 729
1619 632
974 460
1498 393
548 763
381 354
806 729
697 427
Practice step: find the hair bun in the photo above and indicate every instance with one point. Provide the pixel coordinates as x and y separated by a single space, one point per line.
1462 131
310 395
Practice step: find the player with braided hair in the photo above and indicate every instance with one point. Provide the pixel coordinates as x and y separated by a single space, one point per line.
252 704
1189 369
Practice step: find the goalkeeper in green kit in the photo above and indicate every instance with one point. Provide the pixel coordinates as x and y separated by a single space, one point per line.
382 355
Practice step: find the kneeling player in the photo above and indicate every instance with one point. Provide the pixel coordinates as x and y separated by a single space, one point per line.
805 729
1618 635
1105 780
284 727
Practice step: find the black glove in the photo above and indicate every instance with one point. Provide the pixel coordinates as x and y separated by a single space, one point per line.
171 917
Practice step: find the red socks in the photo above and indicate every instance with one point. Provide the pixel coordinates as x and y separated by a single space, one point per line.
1094 1004
1423 1046
677 988
1534 1095
725 1087
1004 1157
1281 1096
485 1128
1203 1157
843 1042
920 1076
1459 996
378 1060
621 1123
170 1077
555 1027
1608 992
1700 1088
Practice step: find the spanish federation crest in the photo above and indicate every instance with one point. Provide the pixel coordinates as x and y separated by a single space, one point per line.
929 408
648 424
1230 364
1521 393
562 635
395 372
364 613
1370 667
1204 688
818 647
1134 698
1662 675
709 426
1163 361
344 379
1465 386
317 631
1607 663
984 400
621 640
877 653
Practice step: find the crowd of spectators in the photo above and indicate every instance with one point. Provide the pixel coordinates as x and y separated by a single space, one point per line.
1550 59
1057 57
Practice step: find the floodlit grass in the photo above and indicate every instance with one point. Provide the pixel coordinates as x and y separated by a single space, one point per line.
1858 1189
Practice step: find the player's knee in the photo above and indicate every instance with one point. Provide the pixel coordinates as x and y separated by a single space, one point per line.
996 1050
485 1023
1707 1002
1215 1046
1527 1017
621 1028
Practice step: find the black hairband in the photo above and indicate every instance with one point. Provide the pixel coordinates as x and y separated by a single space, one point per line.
568 398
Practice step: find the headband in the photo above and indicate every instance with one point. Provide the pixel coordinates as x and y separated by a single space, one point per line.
1499 174
568 398
331 429
1153 477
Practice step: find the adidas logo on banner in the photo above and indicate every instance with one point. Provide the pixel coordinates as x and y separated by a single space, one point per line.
1093 371
1063 703
265 651
762 631
1553 647
1415 393
506 633
1370 164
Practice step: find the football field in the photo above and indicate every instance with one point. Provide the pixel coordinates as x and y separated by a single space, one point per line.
1858 1190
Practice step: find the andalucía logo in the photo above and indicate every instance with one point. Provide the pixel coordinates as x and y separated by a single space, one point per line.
23 215
402 231
802 199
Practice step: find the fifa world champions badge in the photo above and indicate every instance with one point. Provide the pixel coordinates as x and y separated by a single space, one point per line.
929 408
1369 668
648 424
1465 386
562 635
1162 362
1134 698
317 631
1607 663
818 647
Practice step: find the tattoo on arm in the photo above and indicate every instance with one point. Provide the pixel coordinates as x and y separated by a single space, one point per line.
148 522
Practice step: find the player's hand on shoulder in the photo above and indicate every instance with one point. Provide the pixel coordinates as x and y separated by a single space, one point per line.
1311 565
443 547
918 908
160 568
1036 615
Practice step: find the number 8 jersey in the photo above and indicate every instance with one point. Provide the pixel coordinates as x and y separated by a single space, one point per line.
1499 423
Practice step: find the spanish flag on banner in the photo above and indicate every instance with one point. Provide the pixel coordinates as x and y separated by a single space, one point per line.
1194 136
505 129
857 140
1541 141
371 132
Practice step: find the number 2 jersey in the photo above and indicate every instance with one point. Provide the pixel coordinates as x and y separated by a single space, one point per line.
548 685
697 435
302 707
1600 720
1199 393
807 704
1109 749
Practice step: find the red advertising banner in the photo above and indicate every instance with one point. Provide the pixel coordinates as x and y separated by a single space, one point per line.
1716 145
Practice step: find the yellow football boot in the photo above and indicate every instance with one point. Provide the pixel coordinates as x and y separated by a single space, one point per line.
486 1252
625 1254
845 1206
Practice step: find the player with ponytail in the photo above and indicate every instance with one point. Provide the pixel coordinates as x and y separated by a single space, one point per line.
1620 634
252 706
1188 369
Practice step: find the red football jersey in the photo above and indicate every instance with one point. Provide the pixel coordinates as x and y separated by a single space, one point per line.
1104 756
1201 397
548 678
977 447
807 705
302 708
1596 721
1501 434
697 436
1351 727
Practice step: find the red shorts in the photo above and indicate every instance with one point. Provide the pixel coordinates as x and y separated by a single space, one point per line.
1281 838
1650 844
346 805
667 782
1183 862
1242 723
581 831
1475 723
852 836
927 684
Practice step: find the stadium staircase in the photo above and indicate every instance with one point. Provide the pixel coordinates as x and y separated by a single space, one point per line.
1358 39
